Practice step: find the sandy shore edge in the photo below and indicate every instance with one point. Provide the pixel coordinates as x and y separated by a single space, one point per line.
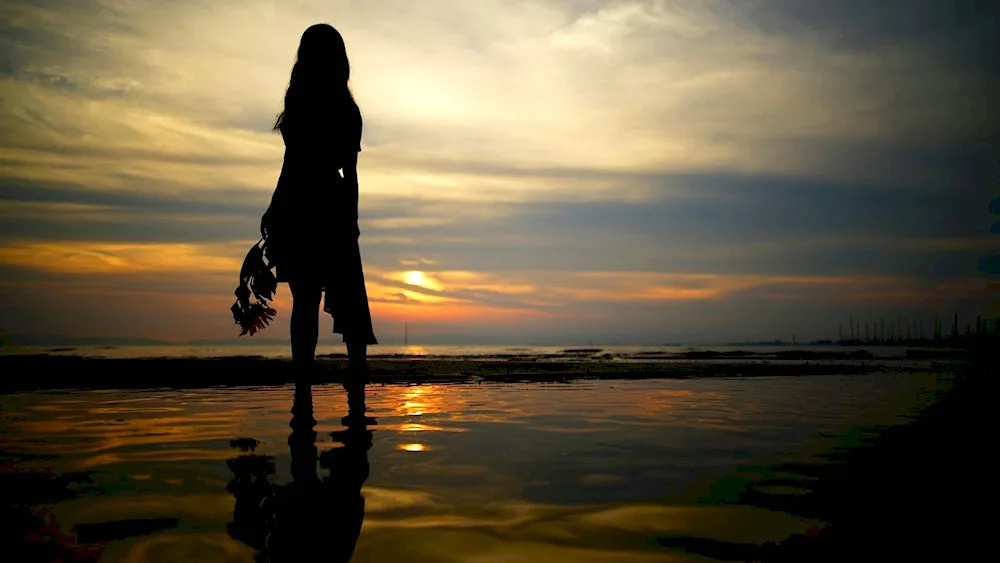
39 372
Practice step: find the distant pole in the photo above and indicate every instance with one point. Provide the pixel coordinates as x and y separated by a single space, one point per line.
406 334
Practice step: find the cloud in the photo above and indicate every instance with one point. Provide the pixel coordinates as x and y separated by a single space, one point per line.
954 30
679 87
535 161
73 258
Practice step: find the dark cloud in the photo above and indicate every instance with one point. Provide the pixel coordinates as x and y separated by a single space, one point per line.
128 227
40 119
685 255
727 224
27 40
990 264
927 164
221 201
133 215
14 277
718 208
965 32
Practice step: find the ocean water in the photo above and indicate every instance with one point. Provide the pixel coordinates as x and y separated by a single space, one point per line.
417 352
582 471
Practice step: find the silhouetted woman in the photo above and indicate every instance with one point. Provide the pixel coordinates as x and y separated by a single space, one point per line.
311 226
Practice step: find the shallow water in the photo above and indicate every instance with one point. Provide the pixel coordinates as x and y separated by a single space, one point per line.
584 471
417 352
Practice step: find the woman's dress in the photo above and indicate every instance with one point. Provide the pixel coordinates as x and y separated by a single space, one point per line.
312 227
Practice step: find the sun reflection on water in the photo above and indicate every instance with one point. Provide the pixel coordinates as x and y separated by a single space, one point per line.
414 350
539 451
418 400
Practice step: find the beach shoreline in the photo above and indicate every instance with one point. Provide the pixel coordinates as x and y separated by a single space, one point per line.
38 372
909 492
880 499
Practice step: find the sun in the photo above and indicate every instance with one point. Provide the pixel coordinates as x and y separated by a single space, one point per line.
415 278
422 280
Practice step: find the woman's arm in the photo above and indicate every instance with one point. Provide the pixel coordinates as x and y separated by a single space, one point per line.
277 198
351 179
279 195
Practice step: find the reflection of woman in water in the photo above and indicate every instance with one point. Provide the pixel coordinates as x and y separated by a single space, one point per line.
310 519
311 226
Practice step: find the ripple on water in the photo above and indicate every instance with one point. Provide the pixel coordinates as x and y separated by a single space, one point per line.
586 471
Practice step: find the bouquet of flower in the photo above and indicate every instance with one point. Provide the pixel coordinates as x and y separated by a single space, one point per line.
255 279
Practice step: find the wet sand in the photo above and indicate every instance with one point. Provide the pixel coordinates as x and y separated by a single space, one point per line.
913 492
73 372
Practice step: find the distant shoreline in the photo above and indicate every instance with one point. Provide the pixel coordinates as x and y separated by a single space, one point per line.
421 353
53 372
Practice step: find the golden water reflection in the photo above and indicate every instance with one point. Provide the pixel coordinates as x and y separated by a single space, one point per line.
414 350
505 472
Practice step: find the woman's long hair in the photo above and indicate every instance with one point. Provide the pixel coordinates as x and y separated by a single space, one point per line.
320 76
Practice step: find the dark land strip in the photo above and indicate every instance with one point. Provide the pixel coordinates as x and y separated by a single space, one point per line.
48 372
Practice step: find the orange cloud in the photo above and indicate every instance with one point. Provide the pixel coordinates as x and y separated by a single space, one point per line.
183 291
652 286
113 258
381 292
450 281
453 313
483 281
420 279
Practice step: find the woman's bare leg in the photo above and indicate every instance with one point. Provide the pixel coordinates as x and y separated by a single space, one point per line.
357 361
304 322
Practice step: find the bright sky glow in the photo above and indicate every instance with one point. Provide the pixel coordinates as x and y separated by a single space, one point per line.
532 171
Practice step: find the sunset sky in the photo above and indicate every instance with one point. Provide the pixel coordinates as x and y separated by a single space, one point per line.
532 171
